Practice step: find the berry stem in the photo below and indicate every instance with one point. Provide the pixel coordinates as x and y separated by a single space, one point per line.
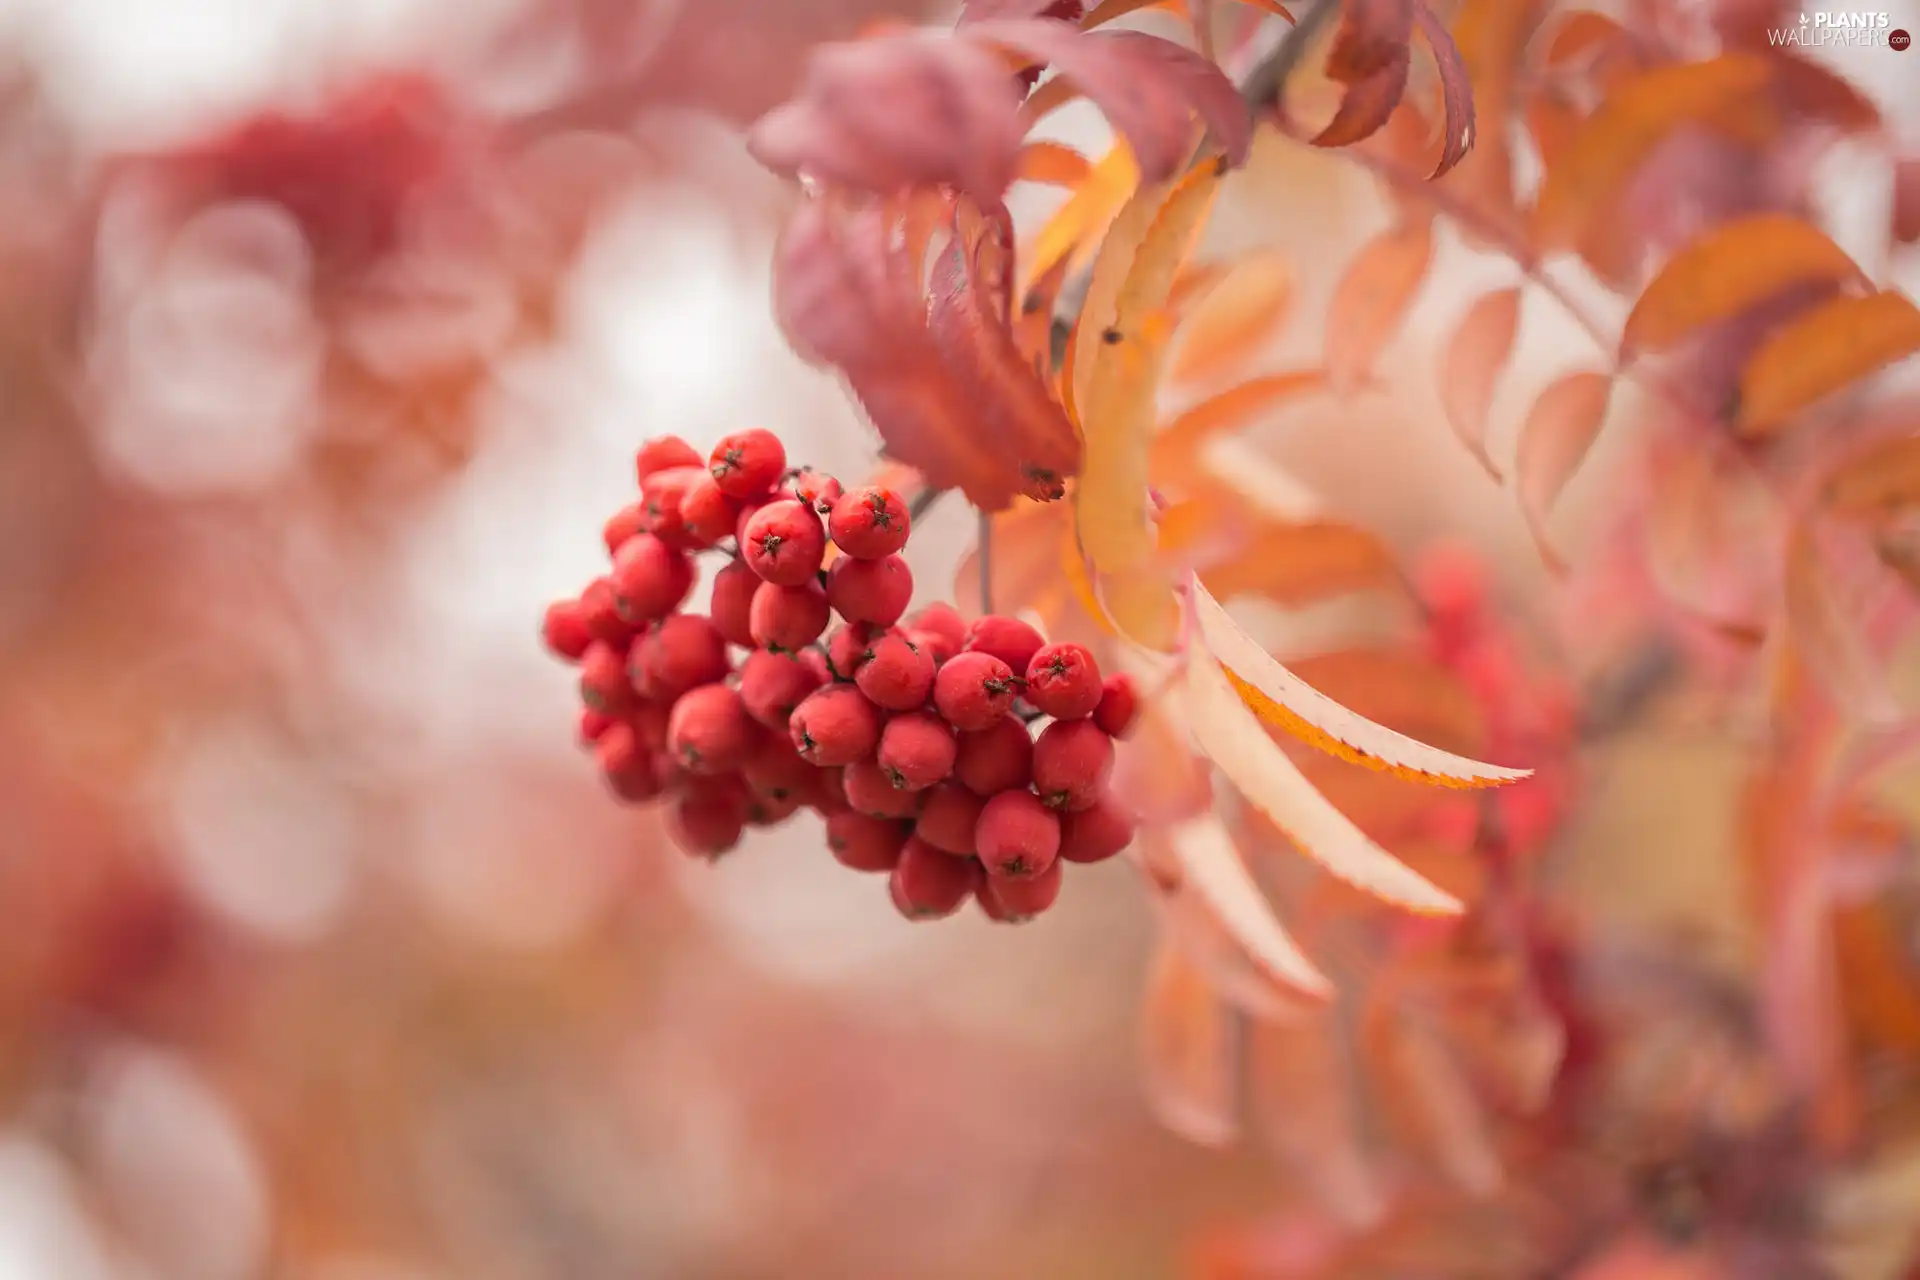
922 502
986 564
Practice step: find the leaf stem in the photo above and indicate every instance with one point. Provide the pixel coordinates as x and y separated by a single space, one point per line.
923 502
985 540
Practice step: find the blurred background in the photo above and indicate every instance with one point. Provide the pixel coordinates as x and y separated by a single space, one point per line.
327 331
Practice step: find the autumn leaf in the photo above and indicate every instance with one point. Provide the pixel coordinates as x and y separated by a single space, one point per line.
1732 268
1559 430
1579 35
1878 482
1372 299
1052 163
1282 699
1427 1094
1471 366
1113 10
1298 563
1238 316
1609 145
1828 347
1189 1043
1210 865
1367 104
1373 36
1906 200
1457 123
1073 234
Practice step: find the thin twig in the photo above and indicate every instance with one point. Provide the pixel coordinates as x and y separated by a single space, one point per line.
922 502
986 563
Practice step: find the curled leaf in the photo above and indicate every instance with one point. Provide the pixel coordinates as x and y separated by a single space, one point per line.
1211 866
1230 736
1373 36
1075 230
1879 482
1367 104
1734 267
1826 348
1471 366
1052 163
1235 319
1457 125
1188 1046
1284 700
1372 299
1176 460
1559 430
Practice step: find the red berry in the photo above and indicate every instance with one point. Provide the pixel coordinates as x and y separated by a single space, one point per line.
707 820
680 652
788 619
1063 681
747 463
594 724
816 662
996 758
1008 639
708 514
623 524
663 496
873 591
895 675
775 770
937 647
1015 900
771 811
1453 582
916 750
748 510
835 726
784 543
829 792
1017 836
849 649
603 679
1097 833
709 731
942 619
564 629
948 817
1119 706
663 453
649 719
626 764
649 578
732 602
869 789
773 684
870 522
927 884
865 843
973 690
1072 761
600 612
815 488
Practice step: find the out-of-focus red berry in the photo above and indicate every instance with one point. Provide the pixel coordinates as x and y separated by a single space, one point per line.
1017 899
604 686
875 591
1072 761
948 817
870 790
732 602
564 630
1012 641
625 523
1119 706
927 884
773 684
709 731
995 759
650 579
680 652
1097 832
708 514
664 453
865 843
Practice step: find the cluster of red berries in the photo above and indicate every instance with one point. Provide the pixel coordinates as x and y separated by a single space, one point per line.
911 734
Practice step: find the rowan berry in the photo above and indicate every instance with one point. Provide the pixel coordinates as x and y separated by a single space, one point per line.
829 792
1072 761
1008 639
663 453
1016 900
849 648
625 523
770 811
774 769
600 612
594 724
927 884
748 510
680 652
835 726
1063 681
1097 832
870 522
869 789
915 750
564 629
650 720
747 463
708 514
973 690
996 758
938 648
940 618
1119 706
948 817
664 498
707 821
732 602
864 843
815 661
788 619
603 679
649 578
709 731
784 543
815 488
773 684
895 675
875 591
1017 836
625 763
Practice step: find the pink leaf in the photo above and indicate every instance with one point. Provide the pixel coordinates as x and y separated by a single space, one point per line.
1148 87
1373 36
1456 91
1559 430
829 292
1475 358
973 11
1367 104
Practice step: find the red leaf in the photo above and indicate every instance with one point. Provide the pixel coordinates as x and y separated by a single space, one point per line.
972 11
831 296
1374 35
1456 91
903 110
1367 104
1148 87
1906 200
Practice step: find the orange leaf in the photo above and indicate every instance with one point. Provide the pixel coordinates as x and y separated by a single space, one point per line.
1110 10
1210 864
1629 122
1874 980
1302 1107
1237 317
1560 428
1406 692
1878 482
1373 35
1073 233
1371 302
1053 163
1735 266
1821 351
1367 104
1298 564
1188 1047
1458 125
1579 34
1176 461
1474 360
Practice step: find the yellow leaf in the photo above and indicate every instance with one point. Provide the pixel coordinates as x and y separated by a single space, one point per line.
1234 740
1475 358
1821 351
1635 117
1076 227
1243 312
1175 456
1053 163
1211 866
1371 301
1559 430
1288 702
1733 267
